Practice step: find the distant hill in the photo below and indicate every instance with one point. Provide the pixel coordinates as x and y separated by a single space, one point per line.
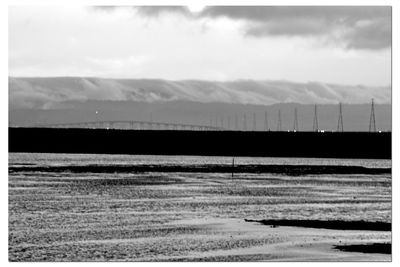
50 92
62 100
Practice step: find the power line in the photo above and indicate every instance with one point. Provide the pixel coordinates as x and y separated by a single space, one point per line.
315 123
340 120
279 128
295 123
372 125
254 122
236 122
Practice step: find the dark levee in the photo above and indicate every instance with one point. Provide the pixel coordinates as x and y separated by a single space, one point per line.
332 224
381 248
374 145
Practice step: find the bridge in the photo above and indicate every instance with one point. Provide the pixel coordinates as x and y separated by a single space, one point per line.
131 125
151 125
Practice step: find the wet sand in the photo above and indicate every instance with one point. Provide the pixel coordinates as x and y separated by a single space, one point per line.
291 243
61 216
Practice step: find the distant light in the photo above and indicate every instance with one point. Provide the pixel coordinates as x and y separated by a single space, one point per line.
97 112
380 131
322 131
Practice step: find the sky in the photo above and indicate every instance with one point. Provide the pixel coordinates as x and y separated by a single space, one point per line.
341 45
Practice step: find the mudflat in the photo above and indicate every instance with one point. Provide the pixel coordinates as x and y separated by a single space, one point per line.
193 216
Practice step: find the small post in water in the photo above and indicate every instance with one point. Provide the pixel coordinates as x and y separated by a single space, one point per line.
233 166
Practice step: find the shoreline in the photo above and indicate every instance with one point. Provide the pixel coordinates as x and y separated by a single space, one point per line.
378 248
293 170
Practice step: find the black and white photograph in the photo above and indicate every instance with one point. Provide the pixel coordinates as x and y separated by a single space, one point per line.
199 133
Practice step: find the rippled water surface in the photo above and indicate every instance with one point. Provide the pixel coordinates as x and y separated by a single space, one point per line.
45 159
182 216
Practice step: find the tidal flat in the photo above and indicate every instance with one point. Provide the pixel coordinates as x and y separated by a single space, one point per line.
190 216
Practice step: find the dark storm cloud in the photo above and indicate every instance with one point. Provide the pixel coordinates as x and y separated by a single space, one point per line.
356 27
374 36
347 14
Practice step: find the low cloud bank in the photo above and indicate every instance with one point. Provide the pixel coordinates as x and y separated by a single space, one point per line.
47 93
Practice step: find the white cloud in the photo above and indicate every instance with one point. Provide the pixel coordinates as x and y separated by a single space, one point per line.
117 66
79 41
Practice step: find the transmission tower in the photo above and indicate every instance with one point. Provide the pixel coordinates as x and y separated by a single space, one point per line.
279 128
236 122
315 122
254 122
340 121
372 125
244 123
295 123
229 122
266 122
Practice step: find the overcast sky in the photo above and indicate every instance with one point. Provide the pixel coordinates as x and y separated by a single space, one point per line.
342 45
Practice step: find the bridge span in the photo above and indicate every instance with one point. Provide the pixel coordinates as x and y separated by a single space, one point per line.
131 125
